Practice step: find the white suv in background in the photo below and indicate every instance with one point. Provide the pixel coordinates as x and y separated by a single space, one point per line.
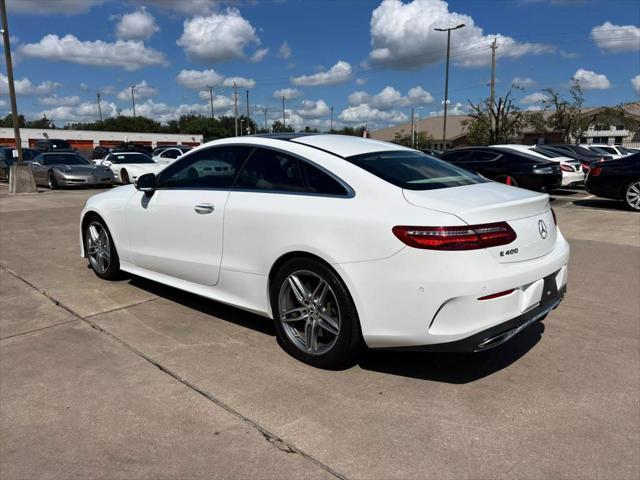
615 151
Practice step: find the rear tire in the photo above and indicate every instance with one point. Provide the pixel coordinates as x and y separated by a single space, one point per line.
100 249
124 177
315 318
632 195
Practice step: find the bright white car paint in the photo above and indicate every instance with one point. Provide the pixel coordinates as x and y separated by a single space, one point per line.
134 170
571 169
404 296
612 150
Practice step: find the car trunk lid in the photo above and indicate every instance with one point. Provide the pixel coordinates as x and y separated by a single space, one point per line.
527 213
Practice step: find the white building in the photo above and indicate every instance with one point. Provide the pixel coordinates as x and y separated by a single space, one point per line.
87 140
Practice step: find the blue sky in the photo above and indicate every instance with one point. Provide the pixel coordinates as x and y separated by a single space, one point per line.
371 60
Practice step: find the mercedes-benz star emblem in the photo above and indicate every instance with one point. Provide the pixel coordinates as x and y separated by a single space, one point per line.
542 229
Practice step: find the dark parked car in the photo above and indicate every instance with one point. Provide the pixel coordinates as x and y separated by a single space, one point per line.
617 179
132 147
431 151
53 145
586 156
7 159
508 166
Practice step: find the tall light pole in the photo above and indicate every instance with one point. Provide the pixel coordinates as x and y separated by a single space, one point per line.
20 175
446 81
133 99
211 102
99 107
235 107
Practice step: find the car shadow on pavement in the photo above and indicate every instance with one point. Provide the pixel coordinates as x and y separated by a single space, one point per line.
457 368
206 306
602 203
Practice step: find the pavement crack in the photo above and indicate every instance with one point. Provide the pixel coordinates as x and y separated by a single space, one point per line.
38 329
272 438
142 302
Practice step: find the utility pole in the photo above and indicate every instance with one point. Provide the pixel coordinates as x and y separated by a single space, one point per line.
493 48
211 102
248 116
20 175
133 99
446 81
331 123
265 119
413 128
492 95
235 105
283 115
99 107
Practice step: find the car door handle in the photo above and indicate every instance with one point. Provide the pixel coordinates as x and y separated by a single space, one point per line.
204 208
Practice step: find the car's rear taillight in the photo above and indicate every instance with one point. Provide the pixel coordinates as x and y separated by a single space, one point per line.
585 167
566 168
595 171
471 237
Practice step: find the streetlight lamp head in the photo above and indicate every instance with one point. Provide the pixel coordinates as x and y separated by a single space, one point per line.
462 25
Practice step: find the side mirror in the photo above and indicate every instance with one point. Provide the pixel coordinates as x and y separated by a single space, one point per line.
146 183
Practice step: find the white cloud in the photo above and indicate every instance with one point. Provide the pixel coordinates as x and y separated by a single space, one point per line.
361 81
240 82
186 7
85 112
419 96
108 90
616 38
218 37
55 101
259 55
47 7
314 109
138 25
24 87
287 93
339 73
389 98
358 98
128 54
197 80
3 104
163 112
142 90
457 109
590 80
84 87
534 98
635 81
220 102
523 82
366 114
403 36
284 51
568 55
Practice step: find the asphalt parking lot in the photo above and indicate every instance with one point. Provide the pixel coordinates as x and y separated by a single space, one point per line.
131 379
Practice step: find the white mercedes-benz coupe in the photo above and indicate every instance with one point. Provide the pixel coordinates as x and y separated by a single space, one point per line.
342 241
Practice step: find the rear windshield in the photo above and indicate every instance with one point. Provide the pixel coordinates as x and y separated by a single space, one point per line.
130 158
414 170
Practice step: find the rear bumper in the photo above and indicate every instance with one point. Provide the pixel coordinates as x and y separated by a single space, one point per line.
572 178
494 336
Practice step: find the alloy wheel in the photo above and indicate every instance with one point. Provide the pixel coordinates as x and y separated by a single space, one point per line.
632 195
52 181
309 313
98 247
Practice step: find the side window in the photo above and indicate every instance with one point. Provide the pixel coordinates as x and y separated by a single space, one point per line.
214 167
271 170
321 182
456 156
171 153
481 156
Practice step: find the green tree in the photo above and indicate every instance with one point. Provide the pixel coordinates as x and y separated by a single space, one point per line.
43 122
7 122
567 117
494 122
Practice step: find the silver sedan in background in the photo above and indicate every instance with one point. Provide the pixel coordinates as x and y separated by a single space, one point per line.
67 169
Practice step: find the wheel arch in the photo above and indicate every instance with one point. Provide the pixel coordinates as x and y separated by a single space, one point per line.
86 217
280 261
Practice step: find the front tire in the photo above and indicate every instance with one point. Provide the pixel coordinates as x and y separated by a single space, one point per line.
632 195
52 182
124 177
315 318
100 250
